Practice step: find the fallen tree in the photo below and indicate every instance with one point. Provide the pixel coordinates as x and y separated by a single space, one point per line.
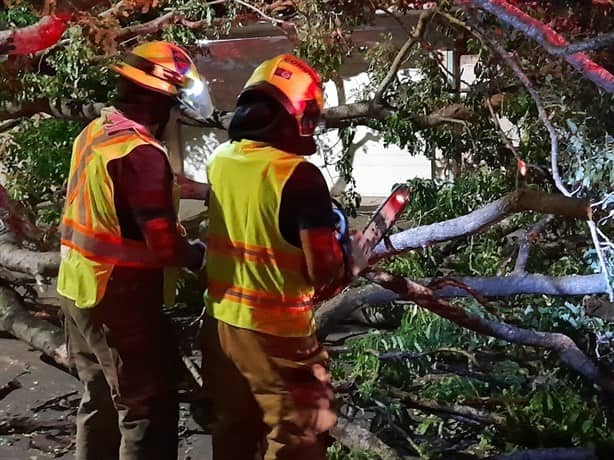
40 334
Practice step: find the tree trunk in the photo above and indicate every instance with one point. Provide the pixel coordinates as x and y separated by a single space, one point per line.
40 334
15 258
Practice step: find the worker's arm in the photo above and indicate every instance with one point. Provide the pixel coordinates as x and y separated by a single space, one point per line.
144 203
323 256
306 221
192 190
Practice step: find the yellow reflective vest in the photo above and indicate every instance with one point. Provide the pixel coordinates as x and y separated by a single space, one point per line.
256 279
91 241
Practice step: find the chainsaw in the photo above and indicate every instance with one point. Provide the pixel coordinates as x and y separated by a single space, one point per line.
378 226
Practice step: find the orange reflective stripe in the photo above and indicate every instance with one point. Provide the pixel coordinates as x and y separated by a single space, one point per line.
256 298
82 153
119 250
79 175
105 259
253 253
86 207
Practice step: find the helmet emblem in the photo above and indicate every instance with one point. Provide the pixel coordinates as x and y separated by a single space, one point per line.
283 73
181 62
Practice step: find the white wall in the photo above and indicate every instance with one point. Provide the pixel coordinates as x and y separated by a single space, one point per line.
376 168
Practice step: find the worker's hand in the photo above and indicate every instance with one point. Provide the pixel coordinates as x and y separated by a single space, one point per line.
192 190
7 46
357 259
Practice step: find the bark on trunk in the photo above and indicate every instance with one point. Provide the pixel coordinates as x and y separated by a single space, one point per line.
518 201
40 334
356 437
15 258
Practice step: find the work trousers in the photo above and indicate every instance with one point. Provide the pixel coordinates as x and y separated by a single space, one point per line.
272 395
126 357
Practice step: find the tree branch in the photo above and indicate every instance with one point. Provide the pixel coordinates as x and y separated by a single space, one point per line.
595 43
568 351
520 200
554 152
526 239
340 307
354 436
63 108
38 333
396 63
15 258
548 38
362 112
427 405
150 27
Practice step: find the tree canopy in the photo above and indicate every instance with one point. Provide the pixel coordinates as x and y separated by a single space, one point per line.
501 253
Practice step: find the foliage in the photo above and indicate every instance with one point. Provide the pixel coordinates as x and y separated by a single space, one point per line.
36 164
339 452
527 388
20 16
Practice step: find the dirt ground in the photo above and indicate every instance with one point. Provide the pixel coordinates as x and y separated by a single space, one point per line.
37 420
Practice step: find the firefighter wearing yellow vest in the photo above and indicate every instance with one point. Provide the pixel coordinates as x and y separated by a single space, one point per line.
119 231
271 248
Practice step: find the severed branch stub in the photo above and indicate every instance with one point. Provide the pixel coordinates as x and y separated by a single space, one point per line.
518 201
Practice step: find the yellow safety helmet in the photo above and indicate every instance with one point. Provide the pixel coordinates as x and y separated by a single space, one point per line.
166 68
292 83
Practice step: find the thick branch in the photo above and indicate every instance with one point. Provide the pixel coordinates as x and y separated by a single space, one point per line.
340 307
356 437
38 333
15 258
335 117
155 25
363 112
518 201
568 351
63 108
548 38
595 43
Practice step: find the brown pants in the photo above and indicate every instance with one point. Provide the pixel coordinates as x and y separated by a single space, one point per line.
271 394
125 354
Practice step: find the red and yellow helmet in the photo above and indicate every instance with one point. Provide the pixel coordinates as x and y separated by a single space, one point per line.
292 83
166 68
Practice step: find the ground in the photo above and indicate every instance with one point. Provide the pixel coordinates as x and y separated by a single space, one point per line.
39 403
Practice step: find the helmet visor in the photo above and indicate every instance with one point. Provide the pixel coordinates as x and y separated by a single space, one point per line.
195 100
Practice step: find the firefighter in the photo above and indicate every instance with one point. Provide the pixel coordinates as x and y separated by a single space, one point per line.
119 231
272 248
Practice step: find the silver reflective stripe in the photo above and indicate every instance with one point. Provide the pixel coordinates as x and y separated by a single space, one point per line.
135 253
